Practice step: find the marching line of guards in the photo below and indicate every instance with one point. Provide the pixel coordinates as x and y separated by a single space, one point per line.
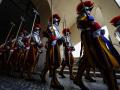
22 53
19 55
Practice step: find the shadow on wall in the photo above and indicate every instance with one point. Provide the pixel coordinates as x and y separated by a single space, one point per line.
43 9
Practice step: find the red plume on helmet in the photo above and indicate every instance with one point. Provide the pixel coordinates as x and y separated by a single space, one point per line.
115 21
66 30
37 26
55 16
81 5
23 29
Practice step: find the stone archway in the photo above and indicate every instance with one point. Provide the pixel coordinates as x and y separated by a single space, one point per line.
43 9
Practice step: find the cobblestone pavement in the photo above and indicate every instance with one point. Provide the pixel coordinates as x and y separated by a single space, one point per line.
10 83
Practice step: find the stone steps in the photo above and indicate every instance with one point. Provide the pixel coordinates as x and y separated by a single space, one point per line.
75 67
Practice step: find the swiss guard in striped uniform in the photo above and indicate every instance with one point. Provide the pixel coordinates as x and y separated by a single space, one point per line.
36 35
21 44
5 51
53 57
20 39
96 52
68 58
36 39
33 46
22 47
116 22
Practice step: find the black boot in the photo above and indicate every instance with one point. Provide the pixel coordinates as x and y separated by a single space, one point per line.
62 75
42 79
90 79
55 84
50 73
80 84
61 71
71 77
88 76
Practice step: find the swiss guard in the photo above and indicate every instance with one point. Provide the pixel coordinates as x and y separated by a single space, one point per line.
5 53
68 58
21 44
5 49
20 41
33 50
53 57
116 22
36 35
37 42
96 52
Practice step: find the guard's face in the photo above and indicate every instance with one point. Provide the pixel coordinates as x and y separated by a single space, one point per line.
21 34
117 24
87 10
67 34
117 34
37 29
118 29
56 21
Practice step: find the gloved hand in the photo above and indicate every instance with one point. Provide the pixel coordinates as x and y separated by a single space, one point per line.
54 42
53 37
90 18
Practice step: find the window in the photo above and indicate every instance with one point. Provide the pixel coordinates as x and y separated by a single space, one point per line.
117 2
